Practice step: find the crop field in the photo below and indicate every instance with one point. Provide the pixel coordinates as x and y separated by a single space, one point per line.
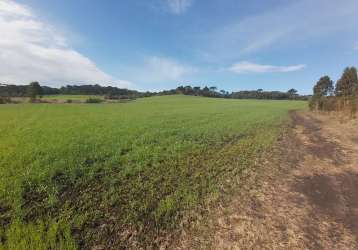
70 97
77 176
60 98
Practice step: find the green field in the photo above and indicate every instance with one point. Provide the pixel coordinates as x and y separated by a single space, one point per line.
60 98
70 97
74 176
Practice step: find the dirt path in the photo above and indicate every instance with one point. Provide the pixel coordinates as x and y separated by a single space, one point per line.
305 197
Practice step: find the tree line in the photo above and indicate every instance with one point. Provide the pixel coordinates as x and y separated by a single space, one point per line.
341 96
34 90
291 94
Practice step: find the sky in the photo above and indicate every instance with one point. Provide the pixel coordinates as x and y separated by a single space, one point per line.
161 44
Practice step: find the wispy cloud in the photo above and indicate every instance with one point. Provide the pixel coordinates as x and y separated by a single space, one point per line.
32 50
167 69
179 6
158 70
355 47
248 67
294 22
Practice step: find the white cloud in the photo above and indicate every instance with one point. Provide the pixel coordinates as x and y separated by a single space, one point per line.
31 50
295 23
179 6
167 69
159 70
10 8
355 47
248 67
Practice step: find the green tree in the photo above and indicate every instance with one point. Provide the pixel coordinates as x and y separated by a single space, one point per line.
213 88
347 85
323 87
34 90
292 93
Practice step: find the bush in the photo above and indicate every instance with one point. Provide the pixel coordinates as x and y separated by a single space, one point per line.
355 105
94 100
324 103
119 97
69 101
4 100
112 97
124 97
314 103
329 104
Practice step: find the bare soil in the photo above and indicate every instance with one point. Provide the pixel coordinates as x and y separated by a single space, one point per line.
303 196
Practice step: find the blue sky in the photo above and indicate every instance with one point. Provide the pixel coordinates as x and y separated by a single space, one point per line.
160 44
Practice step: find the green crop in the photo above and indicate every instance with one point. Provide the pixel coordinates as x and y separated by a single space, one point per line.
71 170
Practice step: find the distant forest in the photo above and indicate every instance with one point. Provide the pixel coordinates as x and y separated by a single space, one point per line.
119 93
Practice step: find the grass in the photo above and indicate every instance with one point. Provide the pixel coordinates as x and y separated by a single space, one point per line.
60 98
93 173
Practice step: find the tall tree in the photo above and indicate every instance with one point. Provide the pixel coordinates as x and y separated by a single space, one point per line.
213 88
292 93
34 90
323 87
347 85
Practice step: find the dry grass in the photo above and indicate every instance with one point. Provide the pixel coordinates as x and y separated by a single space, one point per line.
303 195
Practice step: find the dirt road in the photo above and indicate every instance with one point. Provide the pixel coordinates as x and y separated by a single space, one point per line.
305 195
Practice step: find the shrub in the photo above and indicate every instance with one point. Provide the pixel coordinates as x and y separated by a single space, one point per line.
112 97
355 104
4 100
94 100
329 103
119 97
124 97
